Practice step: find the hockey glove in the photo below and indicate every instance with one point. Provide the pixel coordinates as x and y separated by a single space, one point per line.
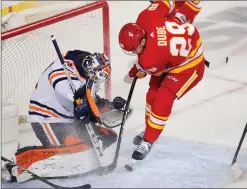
137 72
82 110
79 94
81 105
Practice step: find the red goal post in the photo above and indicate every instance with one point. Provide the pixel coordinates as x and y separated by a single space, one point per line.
42 28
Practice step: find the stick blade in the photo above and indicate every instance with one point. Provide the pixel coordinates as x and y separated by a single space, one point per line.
237 172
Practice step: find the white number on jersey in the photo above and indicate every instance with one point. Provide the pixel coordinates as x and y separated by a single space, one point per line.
175 29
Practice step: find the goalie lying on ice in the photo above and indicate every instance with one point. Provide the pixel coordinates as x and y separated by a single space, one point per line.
65 122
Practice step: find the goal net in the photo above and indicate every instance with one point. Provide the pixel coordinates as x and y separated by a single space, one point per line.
27 49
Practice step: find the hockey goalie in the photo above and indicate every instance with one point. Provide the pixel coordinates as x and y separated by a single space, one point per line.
75 129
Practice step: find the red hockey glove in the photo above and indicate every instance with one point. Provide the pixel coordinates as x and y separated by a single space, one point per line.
137 72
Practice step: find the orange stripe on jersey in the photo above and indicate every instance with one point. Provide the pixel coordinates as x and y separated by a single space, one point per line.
147 113
148 105
188 65
59 74
50 134
155 126
43 110
92 104
170 5
167 4
159 117
193 6
198 44
187 84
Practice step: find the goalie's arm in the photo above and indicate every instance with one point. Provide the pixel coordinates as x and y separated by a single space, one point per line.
90 97
62 90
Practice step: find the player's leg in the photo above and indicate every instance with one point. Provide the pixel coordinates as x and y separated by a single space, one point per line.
56 134
173 86
154 83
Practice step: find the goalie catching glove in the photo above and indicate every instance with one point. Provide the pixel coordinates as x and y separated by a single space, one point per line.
112 112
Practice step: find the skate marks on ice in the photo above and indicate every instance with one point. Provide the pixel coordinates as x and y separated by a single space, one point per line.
225 28
171 163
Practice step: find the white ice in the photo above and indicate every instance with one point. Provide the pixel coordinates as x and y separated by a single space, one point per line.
197 146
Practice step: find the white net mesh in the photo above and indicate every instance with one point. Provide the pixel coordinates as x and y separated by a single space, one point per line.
25 56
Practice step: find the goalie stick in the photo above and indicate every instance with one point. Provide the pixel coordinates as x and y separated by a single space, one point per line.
93 136
86 186
113 166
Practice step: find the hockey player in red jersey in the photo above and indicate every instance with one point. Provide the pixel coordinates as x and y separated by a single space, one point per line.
170 50
183 11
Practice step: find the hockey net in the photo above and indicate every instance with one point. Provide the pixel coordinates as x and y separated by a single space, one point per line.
27 49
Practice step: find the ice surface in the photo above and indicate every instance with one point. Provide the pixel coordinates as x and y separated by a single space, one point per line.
200 139
171 163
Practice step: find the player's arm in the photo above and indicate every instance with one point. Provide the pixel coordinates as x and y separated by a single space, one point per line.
147 65
186 11
154 10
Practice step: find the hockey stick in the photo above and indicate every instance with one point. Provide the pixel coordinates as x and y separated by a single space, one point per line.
88 125
239 145
113 166
220 62
86 186
212 64
62 62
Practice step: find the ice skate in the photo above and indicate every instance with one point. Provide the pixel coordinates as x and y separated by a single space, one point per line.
142 151
138 138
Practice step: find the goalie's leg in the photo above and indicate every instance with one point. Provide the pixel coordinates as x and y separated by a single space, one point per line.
56 138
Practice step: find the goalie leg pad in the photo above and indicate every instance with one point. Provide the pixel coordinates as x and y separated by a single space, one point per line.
56 134
107 136
26 156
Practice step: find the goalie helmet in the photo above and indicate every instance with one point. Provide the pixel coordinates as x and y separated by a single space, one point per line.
97 67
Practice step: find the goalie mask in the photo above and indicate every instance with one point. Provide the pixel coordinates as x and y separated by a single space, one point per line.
97 67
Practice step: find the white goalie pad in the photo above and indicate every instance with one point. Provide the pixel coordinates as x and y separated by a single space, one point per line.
62 165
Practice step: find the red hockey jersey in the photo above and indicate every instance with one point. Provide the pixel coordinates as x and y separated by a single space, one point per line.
171 46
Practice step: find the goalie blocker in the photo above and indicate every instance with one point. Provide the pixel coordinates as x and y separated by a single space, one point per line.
59 119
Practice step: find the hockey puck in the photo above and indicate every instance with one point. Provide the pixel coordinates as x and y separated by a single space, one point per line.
128 167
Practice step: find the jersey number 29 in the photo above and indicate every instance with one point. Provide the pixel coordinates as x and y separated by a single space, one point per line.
185 44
